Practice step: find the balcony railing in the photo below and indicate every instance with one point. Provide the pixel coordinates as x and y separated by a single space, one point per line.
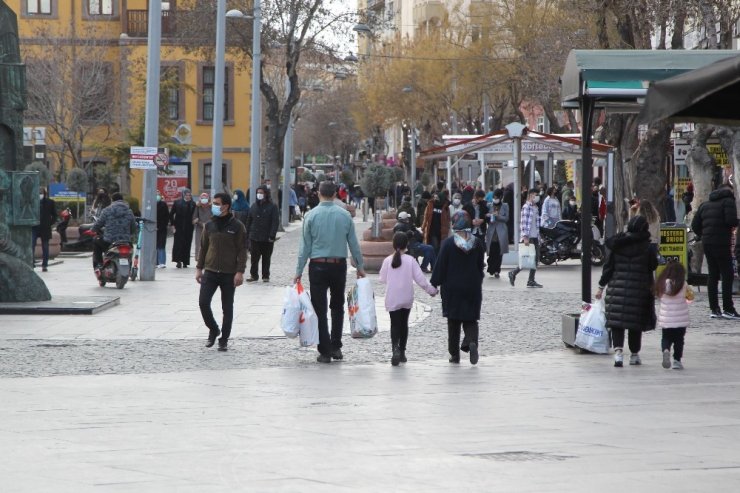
138 23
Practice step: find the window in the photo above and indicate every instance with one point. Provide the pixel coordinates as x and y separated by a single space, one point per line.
42 7
542 124
207 182
209 81
171 87
100 7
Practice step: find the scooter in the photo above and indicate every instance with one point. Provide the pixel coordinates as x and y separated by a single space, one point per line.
116 263
85 241
562 243
140 221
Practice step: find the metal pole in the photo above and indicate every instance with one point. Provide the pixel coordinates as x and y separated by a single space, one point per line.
287 162
587 110
549 166
254 150
517 190
218 101
449 175
413 166
532 170
610 226
486 114
148 254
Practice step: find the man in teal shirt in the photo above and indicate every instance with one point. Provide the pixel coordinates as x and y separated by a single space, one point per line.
327 230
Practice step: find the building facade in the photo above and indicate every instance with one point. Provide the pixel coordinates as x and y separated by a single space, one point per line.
119 29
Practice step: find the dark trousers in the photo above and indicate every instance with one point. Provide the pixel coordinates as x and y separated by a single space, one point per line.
436 243
99 248
532 272
675 338
634 339
719 265
400 328
426 252
210 282
44 246
332 277
453 335
260 249
494 258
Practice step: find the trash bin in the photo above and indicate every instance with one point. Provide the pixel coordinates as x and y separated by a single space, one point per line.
569 329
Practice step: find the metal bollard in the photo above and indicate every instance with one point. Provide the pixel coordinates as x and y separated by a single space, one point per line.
364 210
377 225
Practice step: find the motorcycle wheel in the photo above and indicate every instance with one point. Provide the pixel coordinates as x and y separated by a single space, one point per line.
598 255
547 258
121 281
134 273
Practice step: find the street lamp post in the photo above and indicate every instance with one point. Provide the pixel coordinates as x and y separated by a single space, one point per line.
254 149
412 145
218 100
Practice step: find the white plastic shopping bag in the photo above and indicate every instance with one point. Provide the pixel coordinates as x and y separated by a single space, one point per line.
592 334
308 323
363 322
291 318
527 256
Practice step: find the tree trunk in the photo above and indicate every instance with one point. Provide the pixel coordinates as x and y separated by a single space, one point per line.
620 132
701 168
649 162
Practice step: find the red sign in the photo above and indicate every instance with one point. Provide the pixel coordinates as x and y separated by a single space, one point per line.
170 185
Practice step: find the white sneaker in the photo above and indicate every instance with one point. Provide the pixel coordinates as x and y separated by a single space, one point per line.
666 359
618 358
635 359
677 365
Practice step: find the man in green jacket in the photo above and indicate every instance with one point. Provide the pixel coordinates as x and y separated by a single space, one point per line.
327 230
221 263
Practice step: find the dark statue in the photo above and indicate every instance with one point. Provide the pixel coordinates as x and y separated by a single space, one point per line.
19 190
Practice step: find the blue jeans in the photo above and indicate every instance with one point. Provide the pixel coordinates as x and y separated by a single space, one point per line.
44 246
161 256
427 253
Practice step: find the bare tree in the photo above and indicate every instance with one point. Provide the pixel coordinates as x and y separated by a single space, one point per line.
71 90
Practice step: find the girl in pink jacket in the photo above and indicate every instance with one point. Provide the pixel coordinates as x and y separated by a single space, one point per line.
399 272
673 317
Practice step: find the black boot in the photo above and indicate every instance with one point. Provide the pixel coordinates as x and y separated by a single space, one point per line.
396 358
212 335
403 356
223 344
455 358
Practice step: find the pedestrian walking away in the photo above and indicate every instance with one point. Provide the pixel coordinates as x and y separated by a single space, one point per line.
220 265
673 316
713 222
47 218
181 217
497 234
163 220
459 274
436 224
262 226
630 300
327 231
530 234
399 272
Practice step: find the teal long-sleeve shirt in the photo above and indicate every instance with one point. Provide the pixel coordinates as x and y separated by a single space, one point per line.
327 230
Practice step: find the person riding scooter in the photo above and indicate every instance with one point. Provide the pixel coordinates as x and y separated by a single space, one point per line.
117 223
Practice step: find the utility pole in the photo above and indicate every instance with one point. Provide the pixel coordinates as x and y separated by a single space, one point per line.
151 139
218 101
254 150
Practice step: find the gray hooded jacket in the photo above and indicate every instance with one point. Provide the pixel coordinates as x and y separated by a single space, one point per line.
117 222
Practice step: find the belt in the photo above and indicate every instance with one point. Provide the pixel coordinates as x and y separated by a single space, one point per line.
329 260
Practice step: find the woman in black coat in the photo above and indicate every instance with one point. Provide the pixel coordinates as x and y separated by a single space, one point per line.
181 217
630 303
459 271
47 217
163 219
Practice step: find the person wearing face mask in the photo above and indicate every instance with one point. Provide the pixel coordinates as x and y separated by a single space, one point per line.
262 226
201 215
181 217
436 224
570 211
530 233
456 205
497 235
221 263
47 217
163 220
550 209
240 206
478 210
102 200
459 272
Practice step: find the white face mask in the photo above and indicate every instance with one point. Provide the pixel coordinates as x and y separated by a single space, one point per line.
456 201
572 203
41 196
203 201
260 196
496 201
234 198
536 199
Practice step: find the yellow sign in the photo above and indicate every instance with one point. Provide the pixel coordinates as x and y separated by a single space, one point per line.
719 155
680 188
673 247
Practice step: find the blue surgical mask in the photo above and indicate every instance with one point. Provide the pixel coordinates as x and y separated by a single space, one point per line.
216 210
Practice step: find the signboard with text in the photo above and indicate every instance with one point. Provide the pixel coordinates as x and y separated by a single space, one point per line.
171 183
673 245
143 157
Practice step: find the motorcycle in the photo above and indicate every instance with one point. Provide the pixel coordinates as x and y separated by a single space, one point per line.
85 241
563 243
116 263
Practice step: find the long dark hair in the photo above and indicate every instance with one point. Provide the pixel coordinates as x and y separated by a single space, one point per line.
674 272
400 242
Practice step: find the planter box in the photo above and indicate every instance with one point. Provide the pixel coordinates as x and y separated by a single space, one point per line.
385 235
569 329
373 254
